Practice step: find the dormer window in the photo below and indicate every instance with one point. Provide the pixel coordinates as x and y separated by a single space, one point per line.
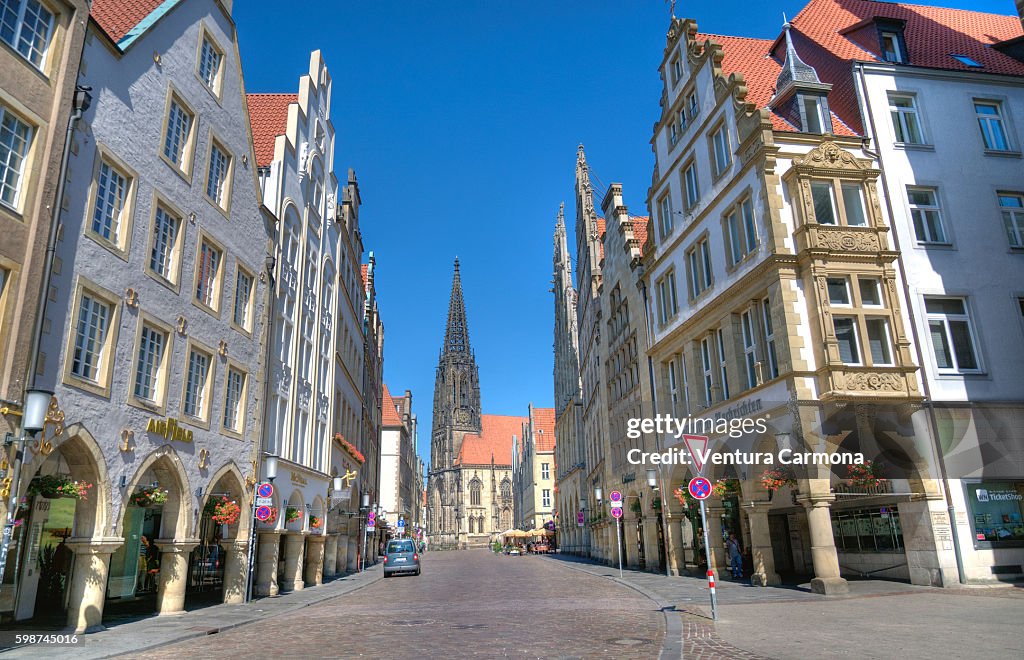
893 46
814 114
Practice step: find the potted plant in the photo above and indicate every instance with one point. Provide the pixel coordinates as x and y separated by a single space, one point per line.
726 487
273 517
53 486
865 475
223 511
291 514
316 522
148 497
775 478
350 449
656 504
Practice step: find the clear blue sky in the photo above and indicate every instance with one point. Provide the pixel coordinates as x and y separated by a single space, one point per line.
461 120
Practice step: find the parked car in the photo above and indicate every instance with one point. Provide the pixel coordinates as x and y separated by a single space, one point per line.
400 556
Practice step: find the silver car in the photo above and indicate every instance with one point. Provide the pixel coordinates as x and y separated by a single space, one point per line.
400 556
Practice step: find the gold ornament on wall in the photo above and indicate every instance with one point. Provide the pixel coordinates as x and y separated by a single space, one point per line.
182 325
127 438
204 458
131 297
222 348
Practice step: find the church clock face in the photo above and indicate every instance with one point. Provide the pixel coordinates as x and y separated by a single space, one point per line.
462 416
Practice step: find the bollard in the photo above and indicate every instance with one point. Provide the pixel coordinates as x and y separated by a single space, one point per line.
714 599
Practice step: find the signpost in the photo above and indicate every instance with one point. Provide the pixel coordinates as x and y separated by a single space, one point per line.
261 510
698 447
580 519
263 513
616 498
401 526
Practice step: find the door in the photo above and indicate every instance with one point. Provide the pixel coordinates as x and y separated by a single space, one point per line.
782 550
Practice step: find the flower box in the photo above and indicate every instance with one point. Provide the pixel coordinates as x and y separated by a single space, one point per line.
350 449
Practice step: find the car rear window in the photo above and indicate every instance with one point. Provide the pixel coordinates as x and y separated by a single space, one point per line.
400 546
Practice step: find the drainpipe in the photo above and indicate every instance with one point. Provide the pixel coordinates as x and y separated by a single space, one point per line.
932 421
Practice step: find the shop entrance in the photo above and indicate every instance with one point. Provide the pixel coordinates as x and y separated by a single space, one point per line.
135 566
782 550
640 557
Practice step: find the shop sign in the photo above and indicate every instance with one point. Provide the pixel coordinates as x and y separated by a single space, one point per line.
169 428
298 479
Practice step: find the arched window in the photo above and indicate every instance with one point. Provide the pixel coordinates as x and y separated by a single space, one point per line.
506 519
474 492
463 392
506 490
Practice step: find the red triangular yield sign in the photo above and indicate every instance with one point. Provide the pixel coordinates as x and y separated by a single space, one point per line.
697 447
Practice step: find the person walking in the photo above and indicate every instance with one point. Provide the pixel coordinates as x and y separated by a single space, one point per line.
735 552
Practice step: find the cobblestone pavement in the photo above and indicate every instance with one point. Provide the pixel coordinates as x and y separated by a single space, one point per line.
469 603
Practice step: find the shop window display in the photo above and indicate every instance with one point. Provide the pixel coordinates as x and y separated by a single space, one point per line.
995 510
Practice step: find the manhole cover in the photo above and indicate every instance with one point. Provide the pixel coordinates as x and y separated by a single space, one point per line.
411 622
629 641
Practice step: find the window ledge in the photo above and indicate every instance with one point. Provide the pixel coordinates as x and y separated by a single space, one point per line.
999 153
913 146
934 246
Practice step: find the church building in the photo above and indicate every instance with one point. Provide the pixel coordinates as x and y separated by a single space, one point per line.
470 481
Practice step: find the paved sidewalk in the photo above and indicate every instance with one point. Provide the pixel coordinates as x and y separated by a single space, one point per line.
133 637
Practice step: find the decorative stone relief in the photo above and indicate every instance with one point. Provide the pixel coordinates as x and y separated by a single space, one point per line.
829 155
874 382
848 240
282 379
305 393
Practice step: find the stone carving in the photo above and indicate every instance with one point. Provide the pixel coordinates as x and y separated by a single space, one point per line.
321 408
282 379
305 394
829 155
848 241
876 382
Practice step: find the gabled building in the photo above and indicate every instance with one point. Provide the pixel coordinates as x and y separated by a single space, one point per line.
155 331
398 460
533 478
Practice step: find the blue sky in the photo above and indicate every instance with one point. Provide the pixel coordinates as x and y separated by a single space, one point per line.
461 120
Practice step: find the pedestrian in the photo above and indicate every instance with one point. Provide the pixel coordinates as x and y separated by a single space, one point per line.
735 552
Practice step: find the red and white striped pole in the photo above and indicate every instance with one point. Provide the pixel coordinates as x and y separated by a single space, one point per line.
707 555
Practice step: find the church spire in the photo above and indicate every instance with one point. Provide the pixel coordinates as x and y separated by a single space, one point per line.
456 335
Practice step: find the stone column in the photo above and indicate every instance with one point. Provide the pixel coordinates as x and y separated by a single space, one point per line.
88 588
760 542
314 564
353 554
173 579
331 556
267 546
236 569
823 546
294 544
341 560
673 535
717 549
651 552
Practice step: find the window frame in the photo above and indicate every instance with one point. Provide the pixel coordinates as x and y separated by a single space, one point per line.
668 298
177 249
161 383
51 31
1016 218
749 334
184 170
821 113
691 166
739 225
708 369
900 52
720 169
1001 119
216 87
122 244
723 363
769 339
213 142
246 328
105 362
218 285
837 196
209 387
972 333
241 404
914 209
699 255
665 220
899 124
27 158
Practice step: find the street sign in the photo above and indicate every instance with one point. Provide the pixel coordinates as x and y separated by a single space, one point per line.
370 528
401 523
617 512
265 490
616 496
263 513
697 447
371 518
264 501
580 519
700 488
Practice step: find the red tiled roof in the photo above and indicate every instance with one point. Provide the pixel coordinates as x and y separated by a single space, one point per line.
640 229
600 232
389 414
363 270
268 116
830 34
117 17
493 443
544 428
760 71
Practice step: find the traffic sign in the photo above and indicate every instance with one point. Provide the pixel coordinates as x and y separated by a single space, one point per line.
697 448
617 512
580 518
265 489
371 518
264 501
401 523
700 488
263 513
616 496
370 528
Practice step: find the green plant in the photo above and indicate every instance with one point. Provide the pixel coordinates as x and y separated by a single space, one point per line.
149 496
777 477
635 506
291 514
315 522
726 487
52 486
656 504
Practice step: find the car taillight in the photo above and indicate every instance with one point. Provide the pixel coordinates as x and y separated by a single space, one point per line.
385 559
415 557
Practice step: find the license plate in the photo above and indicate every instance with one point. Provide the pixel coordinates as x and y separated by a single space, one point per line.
399 559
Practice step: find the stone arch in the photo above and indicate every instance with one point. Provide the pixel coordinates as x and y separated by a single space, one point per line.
228 479
320 511
297 502
476 487
166 466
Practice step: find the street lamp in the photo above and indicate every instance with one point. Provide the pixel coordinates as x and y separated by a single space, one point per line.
652 478
597 494
458 526
270 463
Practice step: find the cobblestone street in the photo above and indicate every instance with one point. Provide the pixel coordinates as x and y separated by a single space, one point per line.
469 603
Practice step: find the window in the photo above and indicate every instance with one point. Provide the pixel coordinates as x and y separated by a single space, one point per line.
15 138
668 303
210 60
148 366
749 347
868 530
545 498
925 212
722 364
905 121
545 470
705 359
721 149
234 400
681 119
196 384
741 235
967 61
665 215
878 341
838 290
218 175
698 261
677 69
692 187
673 134
111 195
692 104
242 313
990 121
952 335
996 508
1012 207
846 334
163 256
814 114
892 46
769 338
178 135
208 266
826 209
94 317
870 292
474 493
27 25
673 387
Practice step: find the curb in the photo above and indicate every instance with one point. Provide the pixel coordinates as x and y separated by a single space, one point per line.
672 646
212 631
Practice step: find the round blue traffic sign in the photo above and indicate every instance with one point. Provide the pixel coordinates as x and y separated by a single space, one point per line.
617 512
263 513
265 490
401 522
700 488
616 496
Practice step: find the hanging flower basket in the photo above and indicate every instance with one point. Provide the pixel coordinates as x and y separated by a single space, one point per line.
350 449
315 522
775 478
656 504
148 497
635 506
865 475
726 487
682 495
273 517
223 511
291 514
53 486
